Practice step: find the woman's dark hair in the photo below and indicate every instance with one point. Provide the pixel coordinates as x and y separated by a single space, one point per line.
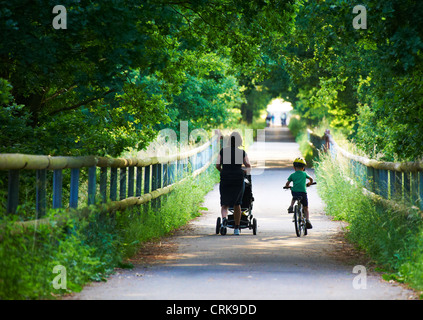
235 139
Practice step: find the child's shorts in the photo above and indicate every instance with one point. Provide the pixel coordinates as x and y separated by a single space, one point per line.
304 200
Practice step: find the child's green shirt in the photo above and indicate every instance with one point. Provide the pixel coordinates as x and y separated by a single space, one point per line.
299 179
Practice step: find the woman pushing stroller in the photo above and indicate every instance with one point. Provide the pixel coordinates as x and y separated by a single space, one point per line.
229 163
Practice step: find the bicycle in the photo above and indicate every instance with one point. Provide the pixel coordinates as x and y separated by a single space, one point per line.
299 218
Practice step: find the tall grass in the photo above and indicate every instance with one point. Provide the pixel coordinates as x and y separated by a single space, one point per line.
89 249
391 235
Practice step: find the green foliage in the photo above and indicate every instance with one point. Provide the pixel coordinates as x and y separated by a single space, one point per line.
122 70
298 128
208 95
367 82
392 236
27 260
89 249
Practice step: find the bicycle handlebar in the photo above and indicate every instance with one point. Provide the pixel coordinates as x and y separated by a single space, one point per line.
289 187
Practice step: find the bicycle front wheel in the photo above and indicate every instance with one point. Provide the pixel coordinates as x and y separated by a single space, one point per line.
297 220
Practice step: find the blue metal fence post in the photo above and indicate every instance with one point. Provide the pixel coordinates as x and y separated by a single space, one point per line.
113 184
154 183
179 169
138 182
57 188
147 180
407 186
414 187
41 202
363 173
122 184
147 185
159 176
370 179
13 191
192 162
383 183
174 171
398 182
91 185
154 174
131 179
376 183
165 174
74 186
103 184
391 184
159 182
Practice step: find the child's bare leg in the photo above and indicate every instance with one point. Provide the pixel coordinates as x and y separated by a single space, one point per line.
224 211
306 212
290 209
237 215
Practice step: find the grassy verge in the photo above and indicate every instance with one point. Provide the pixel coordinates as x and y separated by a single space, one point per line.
392 236
89 249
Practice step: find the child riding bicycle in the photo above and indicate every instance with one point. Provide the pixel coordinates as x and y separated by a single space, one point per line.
299 179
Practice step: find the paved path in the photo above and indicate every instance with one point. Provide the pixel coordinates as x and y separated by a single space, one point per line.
274 264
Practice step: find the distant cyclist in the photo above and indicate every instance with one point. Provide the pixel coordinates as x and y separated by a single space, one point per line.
299 180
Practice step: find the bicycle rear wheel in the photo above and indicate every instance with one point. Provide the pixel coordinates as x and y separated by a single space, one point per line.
304 226
297 220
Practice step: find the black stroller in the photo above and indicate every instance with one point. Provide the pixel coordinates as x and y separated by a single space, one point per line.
247 220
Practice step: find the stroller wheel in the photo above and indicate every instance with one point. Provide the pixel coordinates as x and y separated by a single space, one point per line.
223 230
218 223
254 226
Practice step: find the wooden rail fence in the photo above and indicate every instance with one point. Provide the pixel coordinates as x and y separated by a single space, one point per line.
390 180
140 180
